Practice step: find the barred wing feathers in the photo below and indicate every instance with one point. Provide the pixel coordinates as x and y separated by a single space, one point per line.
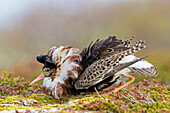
94 74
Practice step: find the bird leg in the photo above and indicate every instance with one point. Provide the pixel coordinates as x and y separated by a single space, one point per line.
112 87
118 87
124 85
107 89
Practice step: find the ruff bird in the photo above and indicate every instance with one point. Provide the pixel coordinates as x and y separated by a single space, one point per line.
103 65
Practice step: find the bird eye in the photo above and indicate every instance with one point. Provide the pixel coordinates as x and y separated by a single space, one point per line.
46 73
44 69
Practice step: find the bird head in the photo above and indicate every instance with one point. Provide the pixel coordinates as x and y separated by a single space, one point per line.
60 63
48 70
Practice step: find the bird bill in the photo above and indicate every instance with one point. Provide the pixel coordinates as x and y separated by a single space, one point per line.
41 76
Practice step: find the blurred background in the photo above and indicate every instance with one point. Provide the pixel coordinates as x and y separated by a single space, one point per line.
30 27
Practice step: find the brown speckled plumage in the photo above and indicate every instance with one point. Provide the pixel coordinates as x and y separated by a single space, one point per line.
97 71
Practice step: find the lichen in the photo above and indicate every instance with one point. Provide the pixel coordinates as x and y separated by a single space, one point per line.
145 96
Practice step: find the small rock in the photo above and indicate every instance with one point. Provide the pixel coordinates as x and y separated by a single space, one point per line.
25 103
16 102
32 101
53 110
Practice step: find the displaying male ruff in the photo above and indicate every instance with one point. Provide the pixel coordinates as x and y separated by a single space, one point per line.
103 65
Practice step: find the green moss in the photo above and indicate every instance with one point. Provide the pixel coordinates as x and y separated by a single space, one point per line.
146 96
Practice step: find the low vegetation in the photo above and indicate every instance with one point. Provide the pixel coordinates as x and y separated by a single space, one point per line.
145 96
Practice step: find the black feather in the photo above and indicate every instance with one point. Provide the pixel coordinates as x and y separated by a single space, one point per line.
44 59
41 59
94 51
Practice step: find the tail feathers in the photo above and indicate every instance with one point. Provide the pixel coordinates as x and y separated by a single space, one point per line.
127 42
145 71
135 48
141 67
115 59
125 65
